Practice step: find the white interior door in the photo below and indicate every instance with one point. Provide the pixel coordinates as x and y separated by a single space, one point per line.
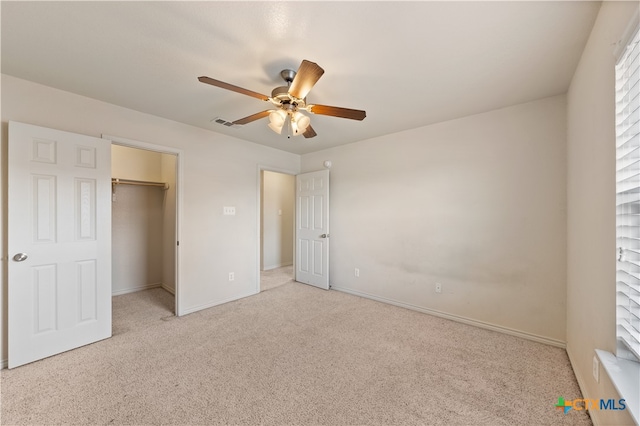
59 241
312 228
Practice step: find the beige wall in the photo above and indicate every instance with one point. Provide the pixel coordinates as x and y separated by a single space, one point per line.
136 164
278 190
136 238
476 204
217 171
591 206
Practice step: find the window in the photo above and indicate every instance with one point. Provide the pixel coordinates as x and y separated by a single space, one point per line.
628 200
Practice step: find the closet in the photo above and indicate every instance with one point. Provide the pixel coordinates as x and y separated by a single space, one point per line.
143 220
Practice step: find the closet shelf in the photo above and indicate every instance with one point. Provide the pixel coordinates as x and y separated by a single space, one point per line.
116 181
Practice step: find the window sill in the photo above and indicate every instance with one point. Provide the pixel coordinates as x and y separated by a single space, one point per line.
625 376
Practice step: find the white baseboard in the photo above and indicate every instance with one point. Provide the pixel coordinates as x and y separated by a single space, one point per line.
216 303
134 289
469 321
279 265
578 374
169 289
4 364
583 387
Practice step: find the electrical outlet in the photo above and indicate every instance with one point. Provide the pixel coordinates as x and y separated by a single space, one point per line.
596 368
438 288
232 276
357 272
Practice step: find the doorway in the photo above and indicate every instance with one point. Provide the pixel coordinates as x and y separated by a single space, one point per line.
277 228
145 207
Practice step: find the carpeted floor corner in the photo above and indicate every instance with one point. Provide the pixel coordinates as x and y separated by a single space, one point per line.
293 355
273 278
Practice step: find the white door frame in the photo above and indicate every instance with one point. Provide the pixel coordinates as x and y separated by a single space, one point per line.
263 168
116 140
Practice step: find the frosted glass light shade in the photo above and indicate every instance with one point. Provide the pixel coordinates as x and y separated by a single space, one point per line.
277 129
300 122
294 128
277 117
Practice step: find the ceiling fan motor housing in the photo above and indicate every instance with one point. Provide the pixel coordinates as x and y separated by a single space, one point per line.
285 100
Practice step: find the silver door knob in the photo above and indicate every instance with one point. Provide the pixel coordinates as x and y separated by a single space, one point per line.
20 257
324 236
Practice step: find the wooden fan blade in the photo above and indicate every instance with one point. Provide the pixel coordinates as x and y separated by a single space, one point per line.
309 133
306 77
353 114
233 88
253 117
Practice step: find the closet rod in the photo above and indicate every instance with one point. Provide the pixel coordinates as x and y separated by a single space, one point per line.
117 181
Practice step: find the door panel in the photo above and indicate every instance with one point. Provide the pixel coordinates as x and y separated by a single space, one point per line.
312 228
60 217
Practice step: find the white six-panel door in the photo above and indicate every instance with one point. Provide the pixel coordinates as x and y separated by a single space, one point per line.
59 239
312 228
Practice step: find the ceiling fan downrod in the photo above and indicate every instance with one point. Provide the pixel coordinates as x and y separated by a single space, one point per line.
288 76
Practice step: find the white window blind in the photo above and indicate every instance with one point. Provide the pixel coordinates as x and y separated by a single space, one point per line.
628 200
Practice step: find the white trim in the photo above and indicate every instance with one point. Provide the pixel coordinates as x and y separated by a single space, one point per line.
142 145
135 289
218 302
168 289
579 378
179 202
261 168
4 364
457 318
593 414
624 375
279 265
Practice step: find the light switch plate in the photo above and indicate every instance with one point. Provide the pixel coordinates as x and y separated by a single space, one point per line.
229 210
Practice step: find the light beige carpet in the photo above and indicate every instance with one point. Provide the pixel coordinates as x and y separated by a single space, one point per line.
292 355
273 278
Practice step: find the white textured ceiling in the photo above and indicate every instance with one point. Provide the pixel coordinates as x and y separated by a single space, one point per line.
408 64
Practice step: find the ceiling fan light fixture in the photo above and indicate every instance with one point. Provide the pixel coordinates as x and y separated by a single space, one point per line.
301 121
276 117
275 128
295 129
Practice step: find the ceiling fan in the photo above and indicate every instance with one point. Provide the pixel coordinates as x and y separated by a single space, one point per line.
290 100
